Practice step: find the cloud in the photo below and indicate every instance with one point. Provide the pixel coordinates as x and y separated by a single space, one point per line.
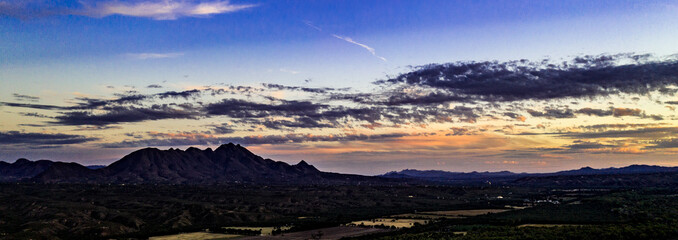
162 10
368 48
578 145
271 113
201 139
552 113
107 104
587 76
154 9
145 56
666 143
620 112
601 127
183 94
223 128
515 116
422 99
404 95
154 86
237 108
34 106
595 112
347 39
642 133
303 89
459 131
310 24
27 98
125 115
299 122
16 137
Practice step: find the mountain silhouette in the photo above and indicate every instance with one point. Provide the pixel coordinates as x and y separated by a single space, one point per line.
22 169
628 175
229 163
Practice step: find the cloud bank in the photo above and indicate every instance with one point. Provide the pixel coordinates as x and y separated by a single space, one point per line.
586 76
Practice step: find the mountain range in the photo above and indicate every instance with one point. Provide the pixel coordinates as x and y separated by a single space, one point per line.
231 163
629 175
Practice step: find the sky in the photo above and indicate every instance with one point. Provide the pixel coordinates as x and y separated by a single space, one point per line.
360 87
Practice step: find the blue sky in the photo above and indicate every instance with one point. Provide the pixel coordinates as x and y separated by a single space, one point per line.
65 51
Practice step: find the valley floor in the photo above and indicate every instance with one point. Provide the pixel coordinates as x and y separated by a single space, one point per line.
72 211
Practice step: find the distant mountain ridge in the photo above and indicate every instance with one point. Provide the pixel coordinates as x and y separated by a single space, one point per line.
229 163
507 177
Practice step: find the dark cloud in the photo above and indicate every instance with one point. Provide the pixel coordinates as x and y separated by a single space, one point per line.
552 113
34 106
106 104
237 108
32 125
183 94
16 137
26 98
154 86
644 133
616 112
599 127
124 115
301 122
95 128
32 114
95 103
224 128
255 140
621 112
425 99
402 96
586 76
124 108
654 117
579 145
303 89
459 131
595 112
512 114
667 143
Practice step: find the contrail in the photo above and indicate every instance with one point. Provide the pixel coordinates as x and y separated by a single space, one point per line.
370 49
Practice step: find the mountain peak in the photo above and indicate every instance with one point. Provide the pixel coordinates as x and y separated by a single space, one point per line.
226 147
306 168
302 163
22 161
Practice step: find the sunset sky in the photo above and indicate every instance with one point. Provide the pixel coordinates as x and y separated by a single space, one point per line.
349 86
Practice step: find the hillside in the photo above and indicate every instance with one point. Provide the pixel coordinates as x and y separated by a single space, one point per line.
229 163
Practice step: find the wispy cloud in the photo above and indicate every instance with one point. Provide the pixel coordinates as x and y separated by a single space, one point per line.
154 9
347 39
163 10
144 56
310 24
368 48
